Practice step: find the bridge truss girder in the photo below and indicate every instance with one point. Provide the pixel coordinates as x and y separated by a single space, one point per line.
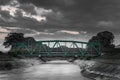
56 48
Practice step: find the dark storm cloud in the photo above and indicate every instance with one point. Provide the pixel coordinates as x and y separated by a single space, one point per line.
3 2
91 16
82 14
49 4
5 14
28 7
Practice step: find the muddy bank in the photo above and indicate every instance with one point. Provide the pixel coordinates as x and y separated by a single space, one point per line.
97 76
8 65
100 69
18 63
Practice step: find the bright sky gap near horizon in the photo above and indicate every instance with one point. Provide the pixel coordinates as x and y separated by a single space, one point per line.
60 19
68 44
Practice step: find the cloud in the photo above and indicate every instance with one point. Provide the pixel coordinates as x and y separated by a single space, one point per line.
81 14
68 32
21 17
64 18
3 2
14 7
11 7
3 30
105 23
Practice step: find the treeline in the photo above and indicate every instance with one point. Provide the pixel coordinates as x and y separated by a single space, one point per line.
105 38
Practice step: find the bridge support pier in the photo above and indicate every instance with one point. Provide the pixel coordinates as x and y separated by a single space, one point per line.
73 59
41 58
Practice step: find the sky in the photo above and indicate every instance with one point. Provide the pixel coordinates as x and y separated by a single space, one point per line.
60 19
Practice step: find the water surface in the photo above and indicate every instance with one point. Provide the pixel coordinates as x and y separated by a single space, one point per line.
53 70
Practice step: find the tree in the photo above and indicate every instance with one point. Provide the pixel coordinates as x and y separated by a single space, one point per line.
13 38
105 38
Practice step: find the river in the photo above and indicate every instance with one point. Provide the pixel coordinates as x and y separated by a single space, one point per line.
52 70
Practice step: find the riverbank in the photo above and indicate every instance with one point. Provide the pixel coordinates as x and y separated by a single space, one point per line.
106 69
99 69
19 63
8 62
98 76
8 65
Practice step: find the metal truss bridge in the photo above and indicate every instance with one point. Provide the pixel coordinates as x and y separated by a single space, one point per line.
57 48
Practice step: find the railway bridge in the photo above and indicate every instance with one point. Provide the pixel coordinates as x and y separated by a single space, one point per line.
57 48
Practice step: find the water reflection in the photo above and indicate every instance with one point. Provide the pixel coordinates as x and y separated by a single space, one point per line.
53 70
